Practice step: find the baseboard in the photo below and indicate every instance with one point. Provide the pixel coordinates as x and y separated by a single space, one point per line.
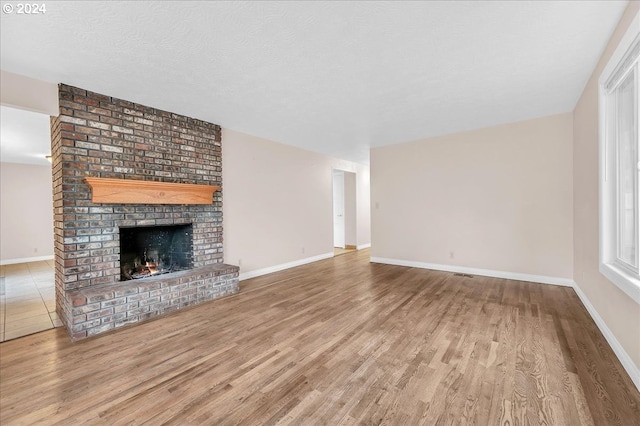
542 279
363 246
623 356
25 260
283 266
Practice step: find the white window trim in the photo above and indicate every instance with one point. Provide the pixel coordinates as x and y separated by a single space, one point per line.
625 280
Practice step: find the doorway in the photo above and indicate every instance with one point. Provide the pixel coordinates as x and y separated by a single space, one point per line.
27 287
344 212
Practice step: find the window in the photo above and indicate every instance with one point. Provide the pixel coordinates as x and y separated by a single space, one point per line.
619 165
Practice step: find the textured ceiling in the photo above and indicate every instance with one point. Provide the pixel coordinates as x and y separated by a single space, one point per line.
332 77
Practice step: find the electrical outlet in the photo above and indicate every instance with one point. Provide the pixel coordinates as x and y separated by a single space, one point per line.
302 250
239 262
451 255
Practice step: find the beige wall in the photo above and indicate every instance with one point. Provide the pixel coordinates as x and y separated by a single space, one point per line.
278 202
497 199
26 212
620 313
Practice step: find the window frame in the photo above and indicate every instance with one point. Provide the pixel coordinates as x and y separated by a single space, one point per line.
625 277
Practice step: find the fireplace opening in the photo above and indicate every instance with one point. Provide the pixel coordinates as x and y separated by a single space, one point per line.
153 250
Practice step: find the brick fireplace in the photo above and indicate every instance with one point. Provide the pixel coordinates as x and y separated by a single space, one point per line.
97 136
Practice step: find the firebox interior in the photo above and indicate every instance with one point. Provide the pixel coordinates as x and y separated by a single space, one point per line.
153 250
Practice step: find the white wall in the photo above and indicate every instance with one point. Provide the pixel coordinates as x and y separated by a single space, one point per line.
497 199
338 209
27 93
350 209
26 200
617 311
363 207
278 202
26 213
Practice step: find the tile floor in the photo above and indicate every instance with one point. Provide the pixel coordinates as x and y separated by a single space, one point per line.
27 299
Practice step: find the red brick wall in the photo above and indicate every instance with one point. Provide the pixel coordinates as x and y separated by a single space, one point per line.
100 136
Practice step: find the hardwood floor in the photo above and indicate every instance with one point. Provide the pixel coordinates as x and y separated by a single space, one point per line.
337 251
336 341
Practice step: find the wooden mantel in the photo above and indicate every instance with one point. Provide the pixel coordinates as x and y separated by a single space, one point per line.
128 191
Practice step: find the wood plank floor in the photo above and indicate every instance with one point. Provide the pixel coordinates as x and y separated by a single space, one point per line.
340 341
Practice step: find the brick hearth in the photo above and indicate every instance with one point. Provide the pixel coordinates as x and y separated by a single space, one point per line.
102 308
100 136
